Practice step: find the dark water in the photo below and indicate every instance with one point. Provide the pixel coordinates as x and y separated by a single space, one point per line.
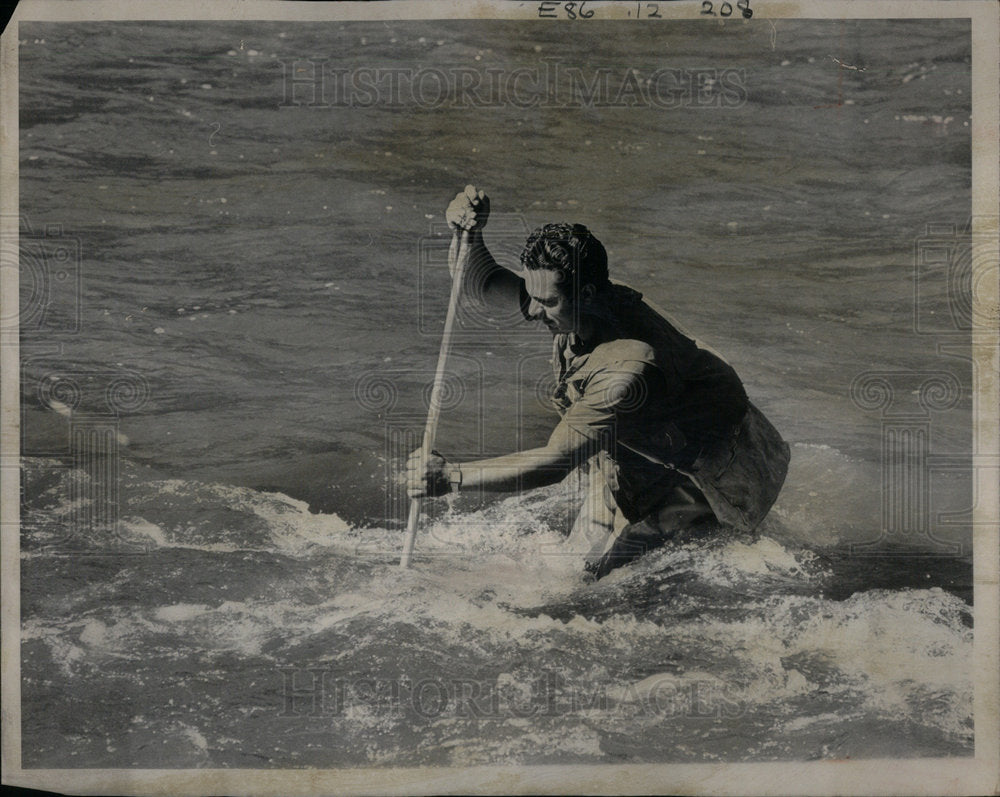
269 280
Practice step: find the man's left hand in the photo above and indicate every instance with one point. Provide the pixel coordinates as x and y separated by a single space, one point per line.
469 210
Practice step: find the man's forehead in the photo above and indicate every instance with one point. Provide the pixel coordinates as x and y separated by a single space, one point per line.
543 281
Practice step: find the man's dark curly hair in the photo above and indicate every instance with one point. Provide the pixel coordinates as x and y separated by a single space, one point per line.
570 249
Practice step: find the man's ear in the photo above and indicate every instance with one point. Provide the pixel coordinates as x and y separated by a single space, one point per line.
587 293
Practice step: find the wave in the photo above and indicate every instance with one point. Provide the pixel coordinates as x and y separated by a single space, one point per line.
729 646
829 499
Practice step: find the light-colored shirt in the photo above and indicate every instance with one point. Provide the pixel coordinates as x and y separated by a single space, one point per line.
644 384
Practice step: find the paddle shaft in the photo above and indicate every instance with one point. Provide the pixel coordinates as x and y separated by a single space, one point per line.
461 257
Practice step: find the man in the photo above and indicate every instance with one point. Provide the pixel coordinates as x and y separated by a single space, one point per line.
663 428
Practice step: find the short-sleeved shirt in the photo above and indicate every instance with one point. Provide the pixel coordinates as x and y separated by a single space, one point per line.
645 393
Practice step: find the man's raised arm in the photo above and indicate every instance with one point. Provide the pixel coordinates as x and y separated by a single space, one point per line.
486 281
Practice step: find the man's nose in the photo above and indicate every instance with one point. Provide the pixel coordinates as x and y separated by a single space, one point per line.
534 309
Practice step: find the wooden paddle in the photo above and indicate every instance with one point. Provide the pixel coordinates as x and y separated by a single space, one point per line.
458 256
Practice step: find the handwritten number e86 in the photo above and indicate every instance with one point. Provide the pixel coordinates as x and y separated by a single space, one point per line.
726 9
548 9
582 13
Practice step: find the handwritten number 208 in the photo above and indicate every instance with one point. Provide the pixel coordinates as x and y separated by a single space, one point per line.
726 9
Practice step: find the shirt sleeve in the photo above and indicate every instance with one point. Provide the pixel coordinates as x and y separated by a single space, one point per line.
623 400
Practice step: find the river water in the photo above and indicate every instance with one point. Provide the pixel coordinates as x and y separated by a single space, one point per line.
269 283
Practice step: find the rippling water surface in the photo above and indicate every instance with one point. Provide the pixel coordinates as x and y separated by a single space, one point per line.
271 276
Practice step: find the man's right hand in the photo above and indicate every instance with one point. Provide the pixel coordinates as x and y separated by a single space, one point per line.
469 210
431 476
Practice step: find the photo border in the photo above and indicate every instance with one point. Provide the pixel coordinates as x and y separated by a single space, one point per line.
978 775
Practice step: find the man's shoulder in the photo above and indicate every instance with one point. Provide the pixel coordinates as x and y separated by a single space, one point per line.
649 320
622 350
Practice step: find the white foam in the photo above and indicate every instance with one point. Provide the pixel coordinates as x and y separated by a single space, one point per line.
886 649
291 528
94 633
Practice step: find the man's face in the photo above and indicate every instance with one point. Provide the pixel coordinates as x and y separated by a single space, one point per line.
548 301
